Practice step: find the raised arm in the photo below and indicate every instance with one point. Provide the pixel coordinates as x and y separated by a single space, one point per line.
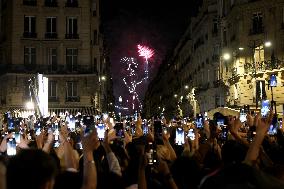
262 125
90 143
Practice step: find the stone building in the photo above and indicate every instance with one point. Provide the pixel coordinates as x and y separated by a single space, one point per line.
225 58
63 41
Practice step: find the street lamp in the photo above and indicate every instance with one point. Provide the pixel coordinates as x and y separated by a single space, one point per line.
175 95
226 56
103 78
186 87
267 44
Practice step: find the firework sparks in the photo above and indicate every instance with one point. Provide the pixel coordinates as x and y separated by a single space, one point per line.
147 53
130 80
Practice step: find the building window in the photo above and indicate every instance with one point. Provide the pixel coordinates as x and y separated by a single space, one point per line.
52 59
52 90
71 3
30 56
94 8
29 2
51 27
71 28
30 27
71 59
257 23
95 37
72 93
50 3
95 65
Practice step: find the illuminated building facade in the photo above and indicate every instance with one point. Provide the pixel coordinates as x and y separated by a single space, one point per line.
224 59
60 39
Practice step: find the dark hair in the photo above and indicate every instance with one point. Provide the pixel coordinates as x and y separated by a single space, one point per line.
33 167
233 152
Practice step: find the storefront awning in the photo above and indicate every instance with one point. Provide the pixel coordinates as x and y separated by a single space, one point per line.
223 110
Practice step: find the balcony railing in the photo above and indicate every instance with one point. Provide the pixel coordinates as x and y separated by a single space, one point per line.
29 35
267 65
61 69
71 36
30 2
51 3
51 35
235 76
255 31
72 99
71 4
53 99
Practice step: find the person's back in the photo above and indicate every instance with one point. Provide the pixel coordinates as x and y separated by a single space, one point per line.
33 169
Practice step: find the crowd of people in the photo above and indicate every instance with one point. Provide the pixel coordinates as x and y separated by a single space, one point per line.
89 152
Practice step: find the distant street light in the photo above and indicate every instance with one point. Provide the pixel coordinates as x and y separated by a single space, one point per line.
267 44
175 95
30 105
103 78
241 48
186 87
226 56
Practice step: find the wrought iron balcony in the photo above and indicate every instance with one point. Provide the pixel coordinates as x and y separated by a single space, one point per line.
49 35
257 30
71 3
267 65
50 3
30 35
30 2
72 99
71 36
235 76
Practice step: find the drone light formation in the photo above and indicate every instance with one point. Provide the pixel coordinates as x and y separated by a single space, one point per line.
147 53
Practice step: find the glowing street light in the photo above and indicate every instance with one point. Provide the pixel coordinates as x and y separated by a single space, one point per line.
226 56
267 44
30 105
103 78
175 95
186 87
241 48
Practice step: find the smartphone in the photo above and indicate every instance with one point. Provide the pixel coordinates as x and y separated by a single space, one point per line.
273 81
151 153
179 136
11 147
273 126
119 130
38 131
105 116
145 128
158 132
165 130
89 122
11 124
71 125
220 122
199 121
191 134
101 131
224 133
17 137
243 115
265 108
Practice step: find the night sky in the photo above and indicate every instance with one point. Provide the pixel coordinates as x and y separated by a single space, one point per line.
156 23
